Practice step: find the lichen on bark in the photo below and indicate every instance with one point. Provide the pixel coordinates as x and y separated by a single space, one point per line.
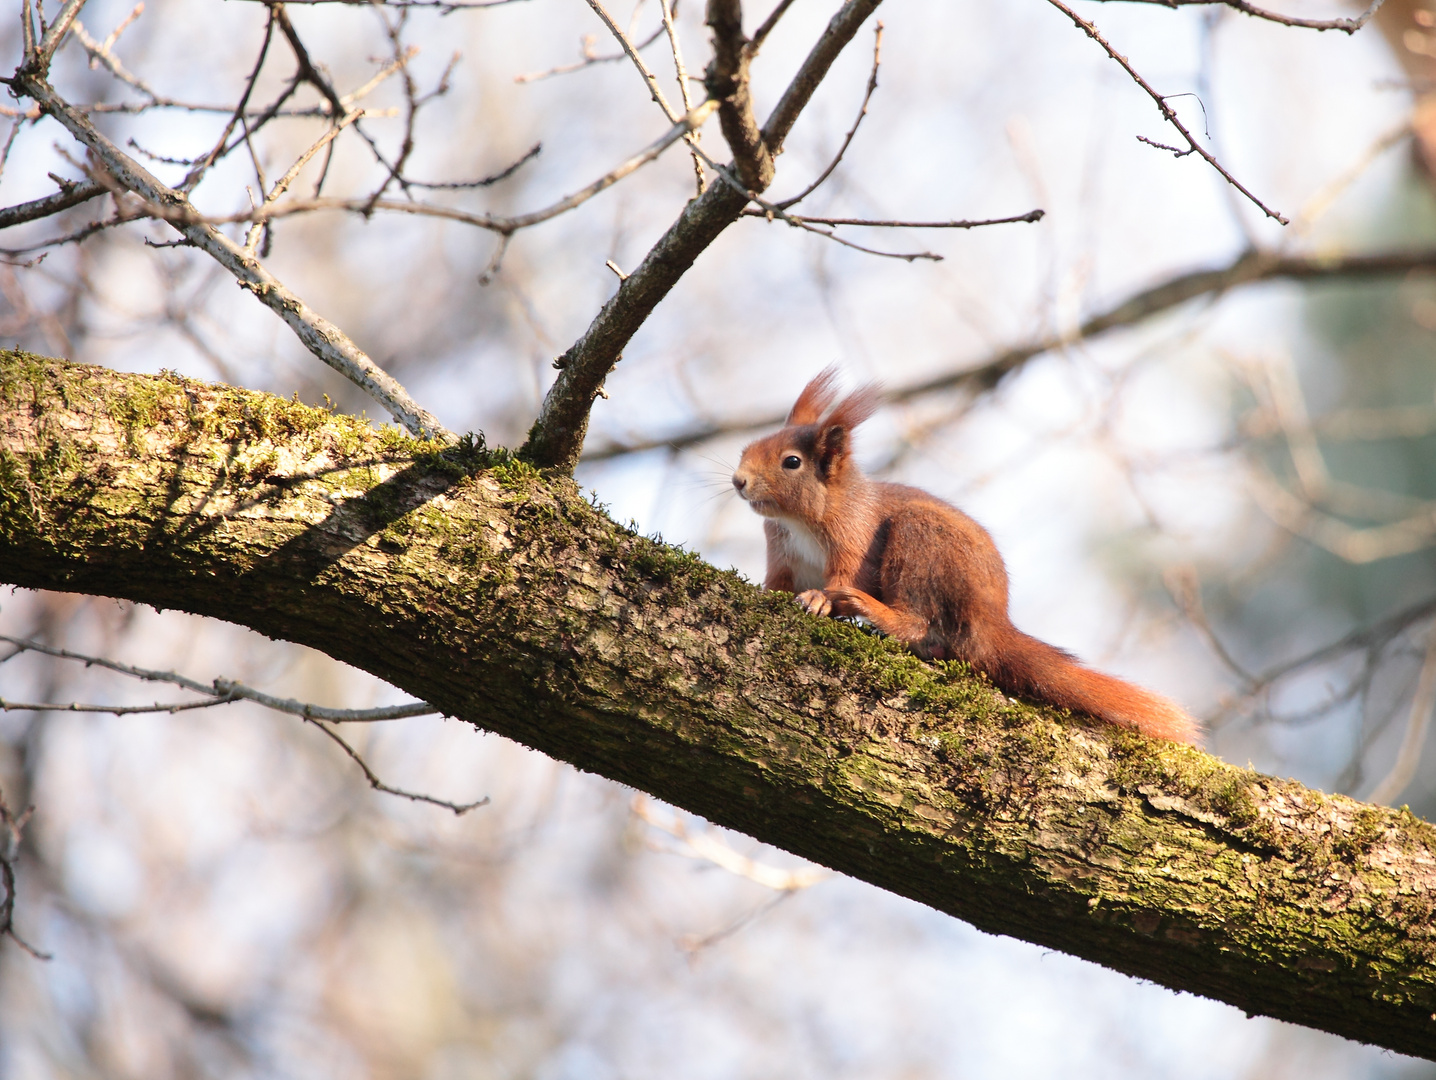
495 591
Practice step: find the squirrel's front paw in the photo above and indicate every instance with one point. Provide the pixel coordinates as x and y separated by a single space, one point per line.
815 602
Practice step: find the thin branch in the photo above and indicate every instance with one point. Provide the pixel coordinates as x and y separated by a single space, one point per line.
459 809
1248 268
442 6
708 848
323 338
220 692
590 57
232 690
282 184
1029 217
1347 26
760 35
1168 113
505 225
11 827
485 181
852 131
772 210
680 73
101 55
203 165
632 52
1418 720
1186 591
54 35
111 710
70 194
556 438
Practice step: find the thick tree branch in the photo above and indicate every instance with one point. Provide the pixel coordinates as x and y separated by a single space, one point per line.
1249 268
556 438
505 599
726 81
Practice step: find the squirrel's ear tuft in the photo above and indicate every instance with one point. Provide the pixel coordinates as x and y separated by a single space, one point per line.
815 398
856 407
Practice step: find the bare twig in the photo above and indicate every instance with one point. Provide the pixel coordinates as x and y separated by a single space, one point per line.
871 223
101 55
12 825
70 194
680 73
54 34
282 184
727 82
484 181
556 438
109 710
444 7
852 131
772 210
1185 589
459 809
322 337
193 177
590 57
760 35
632 52
1168 113
705 846
1348 26
1418 720
1248 268
505 225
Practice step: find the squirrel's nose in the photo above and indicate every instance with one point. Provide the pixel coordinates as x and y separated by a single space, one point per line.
739 482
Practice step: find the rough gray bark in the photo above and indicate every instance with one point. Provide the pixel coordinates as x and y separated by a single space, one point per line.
495 592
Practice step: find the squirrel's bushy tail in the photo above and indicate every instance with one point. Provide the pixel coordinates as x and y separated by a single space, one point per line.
1029 668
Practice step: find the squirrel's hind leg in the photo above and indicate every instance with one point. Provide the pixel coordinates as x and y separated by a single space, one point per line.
911 629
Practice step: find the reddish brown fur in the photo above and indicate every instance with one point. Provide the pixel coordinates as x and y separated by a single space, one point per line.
917 568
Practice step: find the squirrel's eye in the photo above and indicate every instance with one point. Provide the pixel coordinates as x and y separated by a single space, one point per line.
792 461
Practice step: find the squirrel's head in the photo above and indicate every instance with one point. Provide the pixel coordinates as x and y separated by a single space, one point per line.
792 472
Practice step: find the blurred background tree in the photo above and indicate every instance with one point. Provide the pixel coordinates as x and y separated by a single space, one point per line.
1228 499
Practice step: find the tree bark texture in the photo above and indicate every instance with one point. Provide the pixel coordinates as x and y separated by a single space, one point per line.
497 593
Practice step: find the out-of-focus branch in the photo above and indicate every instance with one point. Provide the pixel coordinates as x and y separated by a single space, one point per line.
727 82
871 223
1247 269
322 337
70 194
760 35
459 809
1168 113
680 73
852 131
1348 26
1418 721
774 212
221 691
590 57
12 825
629 48
556 438
709 848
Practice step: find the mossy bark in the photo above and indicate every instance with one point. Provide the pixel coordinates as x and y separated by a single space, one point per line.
497 593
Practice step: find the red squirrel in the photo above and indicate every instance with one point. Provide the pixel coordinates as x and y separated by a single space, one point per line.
915 567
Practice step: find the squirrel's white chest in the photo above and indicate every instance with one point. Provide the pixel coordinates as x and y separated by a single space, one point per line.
806 555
